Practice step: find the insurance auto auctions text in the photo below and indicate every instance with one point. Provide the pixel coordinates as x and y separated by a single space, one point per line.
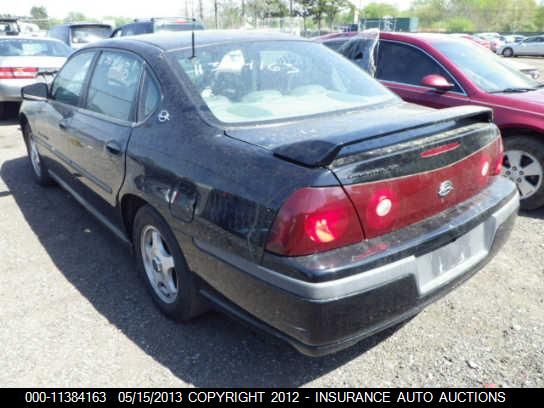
394 396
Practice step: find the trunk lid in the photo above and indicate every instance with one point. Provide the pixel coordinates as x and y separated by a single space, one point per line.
317 141
40 62
398 165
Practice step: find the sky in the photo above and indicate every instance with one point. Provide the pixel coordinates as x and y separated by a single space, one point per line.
126 8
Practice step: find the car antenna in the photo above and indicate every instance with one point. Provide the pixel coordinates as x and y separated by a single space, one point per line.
193 38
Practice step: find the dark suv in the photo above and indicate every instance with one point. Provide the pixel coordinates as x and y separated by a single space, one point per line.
76 35
157 24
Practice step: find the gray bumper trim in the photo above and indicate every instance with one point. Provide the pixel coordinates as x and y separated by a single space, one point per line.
431 270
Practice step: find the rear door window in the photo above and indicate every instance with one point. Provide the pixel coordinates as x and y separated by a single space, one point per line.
150 98
406 64
68 84
114 85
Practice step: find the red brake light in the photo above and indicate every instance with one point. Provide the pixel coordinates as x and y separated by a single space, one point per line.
314 220
499 159
440 149
18 72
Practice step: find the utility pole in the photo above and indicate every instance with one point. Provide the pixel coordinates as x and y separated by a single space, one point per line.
215 12
200 10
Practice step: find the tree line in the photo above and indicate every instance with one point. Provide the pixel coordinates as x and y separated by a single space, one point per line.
433 15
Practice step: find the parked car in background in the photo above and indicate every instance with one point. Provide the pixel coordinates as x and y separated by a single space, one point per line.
480 41
442 71
488 36
514 38
31 29
495 40
76 35
531 46
22 59
9 26
272 177
158 24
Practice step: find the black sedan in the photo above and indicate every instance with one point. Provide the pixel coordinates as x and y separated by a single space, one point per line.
268 176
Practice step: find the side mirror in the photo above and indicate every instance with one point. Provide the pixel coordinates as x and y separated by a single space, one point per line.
437 82
35 92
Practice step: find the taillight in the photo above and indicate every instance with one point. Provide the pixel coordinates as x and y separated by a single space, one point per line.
381 209
18 72
314 220
499 159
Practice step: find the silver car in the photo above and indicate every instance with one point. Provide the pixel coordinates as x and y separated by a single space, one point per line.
23 60
530 46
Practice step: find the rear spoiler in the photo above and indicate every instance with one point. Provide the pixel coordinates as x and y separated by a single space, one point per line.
322 151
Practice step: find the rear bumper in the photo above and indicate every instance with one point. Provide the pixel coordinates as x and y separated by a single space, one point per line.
10 89
325 302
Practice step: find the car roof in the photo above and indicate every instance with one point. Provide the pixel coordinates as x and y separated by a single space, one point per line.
430 37
399 36
177 40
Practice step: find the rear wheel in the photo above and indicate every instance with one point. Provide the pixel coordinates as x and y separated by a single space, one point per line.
39 169
162 265
524 165
508 52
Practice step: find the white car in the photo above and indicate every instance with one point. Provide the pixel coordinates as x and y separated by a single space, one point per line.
22 59
530 46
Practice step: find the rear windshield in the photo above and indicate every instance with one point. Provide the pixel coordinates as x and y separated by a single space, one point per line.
270 80
88 34
177 25
31 47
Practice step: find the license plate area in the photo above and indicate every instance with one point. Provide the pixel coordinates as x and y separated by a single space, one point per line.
447 263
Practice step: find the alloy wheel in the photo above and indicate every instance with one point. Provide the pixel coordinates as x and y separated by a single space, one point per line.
159 264
524 170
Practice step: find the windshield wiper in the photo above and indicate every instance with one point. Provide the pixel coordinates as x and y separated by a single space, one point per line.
514 90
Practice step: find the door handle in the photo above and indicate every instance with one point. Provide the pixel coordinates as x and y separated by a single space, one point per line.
113 148
63 125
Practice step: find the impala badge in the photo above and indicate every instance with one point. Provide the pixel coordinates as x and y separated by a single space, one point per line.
163 116
445 188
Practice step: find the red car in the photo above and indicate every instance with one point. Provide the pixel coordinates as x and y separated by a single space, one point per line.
441 71
480 41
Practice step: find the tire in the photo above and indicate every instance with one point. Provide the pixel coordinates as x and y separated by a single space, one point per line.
3 110
508 52
524 165
162 266
37 165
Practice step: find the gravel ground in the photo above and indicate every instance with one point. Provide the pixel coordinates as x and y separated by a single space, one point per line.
74 313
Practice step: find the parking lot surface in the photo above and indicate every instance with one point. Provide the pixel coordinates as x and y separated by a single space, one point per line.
535 62
73 312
